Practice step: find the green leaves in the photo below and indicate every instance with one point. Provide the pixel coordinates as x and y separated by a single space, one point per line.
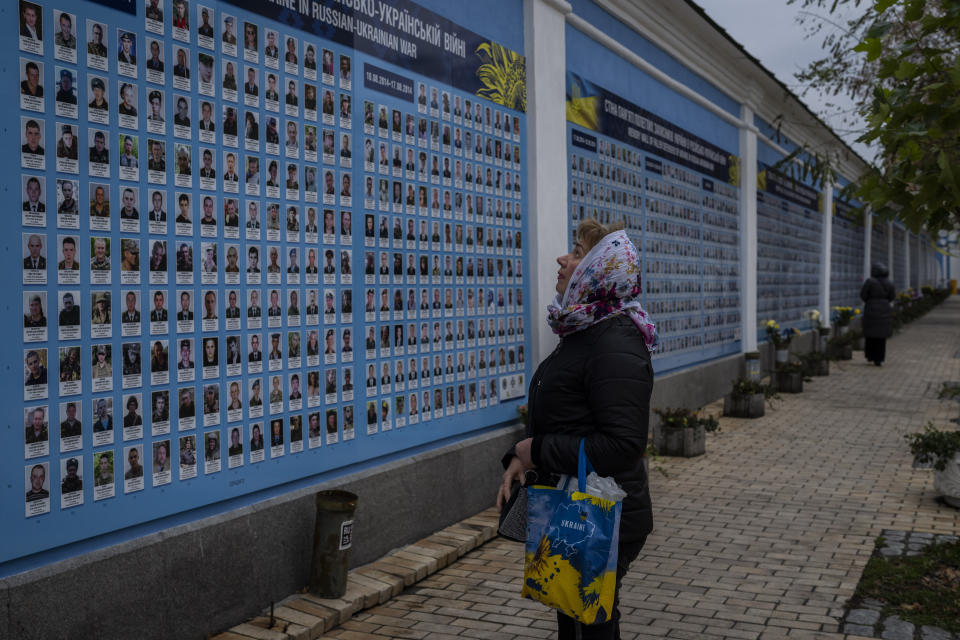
872 47
947 178
914 10
899 61
905 70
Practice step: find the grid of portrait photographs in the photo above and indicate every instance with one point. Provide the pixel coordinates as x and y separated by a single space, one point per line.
846 256
228 153
879 243
788 254
686 228
899 253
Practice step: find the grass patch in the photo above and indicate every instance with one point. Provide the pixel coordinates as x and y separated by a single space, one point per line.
922 589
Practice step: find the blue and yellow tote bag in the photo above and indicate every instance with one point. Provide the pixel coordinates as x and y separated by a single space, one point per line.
571 550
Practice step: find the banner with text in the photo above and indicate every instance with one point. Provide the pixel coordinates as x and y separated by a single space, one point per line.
783 186
410 36
593 107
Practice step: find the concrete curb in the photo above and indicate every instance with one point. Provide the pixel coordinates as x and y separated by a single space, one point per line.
303 616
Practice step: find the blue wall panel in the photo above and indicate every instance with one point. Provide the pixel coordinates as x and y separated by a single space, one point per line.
468 260
788 246
680 210
656 56
846 256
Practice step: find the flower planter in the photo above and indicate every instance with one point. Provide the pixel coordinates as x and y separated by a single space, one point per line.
947 482
817 368
844 352
753 365
789 381
783 356
842 329
751 406
684 442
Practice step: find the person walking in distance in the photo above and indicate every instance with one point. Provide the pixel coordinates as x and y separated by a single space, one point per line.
877 293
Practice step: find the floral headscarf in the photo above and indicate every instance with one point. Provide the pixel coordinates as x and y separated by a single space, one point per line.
605 283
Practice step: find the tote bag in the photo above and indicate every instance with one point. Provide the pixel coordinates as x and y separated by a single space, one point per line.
570 562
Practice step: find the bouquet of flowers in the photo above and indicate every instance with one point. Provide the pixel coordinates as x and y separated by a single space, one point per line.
780 338
813 316
843 315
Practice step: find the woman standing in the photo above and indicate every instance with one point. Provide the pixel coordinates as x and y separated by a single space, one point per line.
877 293
595 386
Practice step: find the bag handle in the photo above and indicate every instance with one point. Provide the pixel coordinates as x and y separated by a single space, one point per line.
583 467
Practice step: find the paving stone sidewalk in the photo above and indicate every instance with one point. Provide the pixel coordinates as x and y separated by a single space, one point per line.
764 537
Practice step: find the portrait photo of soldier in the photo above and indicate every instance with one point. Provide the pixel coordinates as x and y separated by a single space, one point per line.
37 482
72 480
95 43
34 199
104 469
69 315
31 21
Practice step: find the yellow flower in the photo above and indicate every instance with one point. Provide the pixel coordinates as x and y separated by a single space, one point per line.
734 170
856 312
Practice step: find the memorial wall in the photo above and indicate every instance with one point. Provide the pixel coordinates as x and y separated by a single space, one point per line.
266 246
898 268
846 254
879 244
259 242
675 189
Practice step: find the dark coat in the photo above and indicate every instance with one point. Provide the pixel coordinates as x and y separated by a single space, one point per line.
877 293
596 385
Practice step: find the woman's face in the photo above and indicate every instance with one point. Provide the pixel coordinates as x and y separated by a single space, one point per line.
568 263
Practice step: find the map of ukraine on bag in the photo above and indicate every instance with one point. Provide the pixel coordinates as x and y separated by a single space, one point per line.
571 553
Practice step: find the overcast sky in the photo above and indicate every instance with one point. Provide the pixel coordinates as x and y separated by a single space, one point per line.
768 29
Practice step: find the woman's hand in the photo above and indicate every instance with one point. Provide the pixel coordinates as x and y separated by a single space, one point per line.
514 472
518 466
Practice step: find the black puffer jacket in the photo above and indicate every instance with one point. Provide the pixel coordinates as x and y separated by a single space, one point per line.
597 385
877 293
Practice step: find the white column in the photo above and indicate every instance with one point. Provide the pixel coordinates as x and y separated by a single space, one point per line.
890 254
545 50
952 262
921 261
867 241
748 232
826 249
906 259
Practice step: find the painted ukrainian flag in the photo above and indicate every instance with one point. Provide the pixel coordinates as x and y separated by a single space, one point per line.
583 103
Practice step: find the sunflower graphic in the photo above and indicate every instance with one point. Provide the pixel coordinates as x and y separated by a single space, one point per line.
734 163
503 74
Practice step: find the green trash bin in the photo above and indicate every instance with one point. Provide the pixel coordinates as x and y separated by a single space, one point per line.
332 539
